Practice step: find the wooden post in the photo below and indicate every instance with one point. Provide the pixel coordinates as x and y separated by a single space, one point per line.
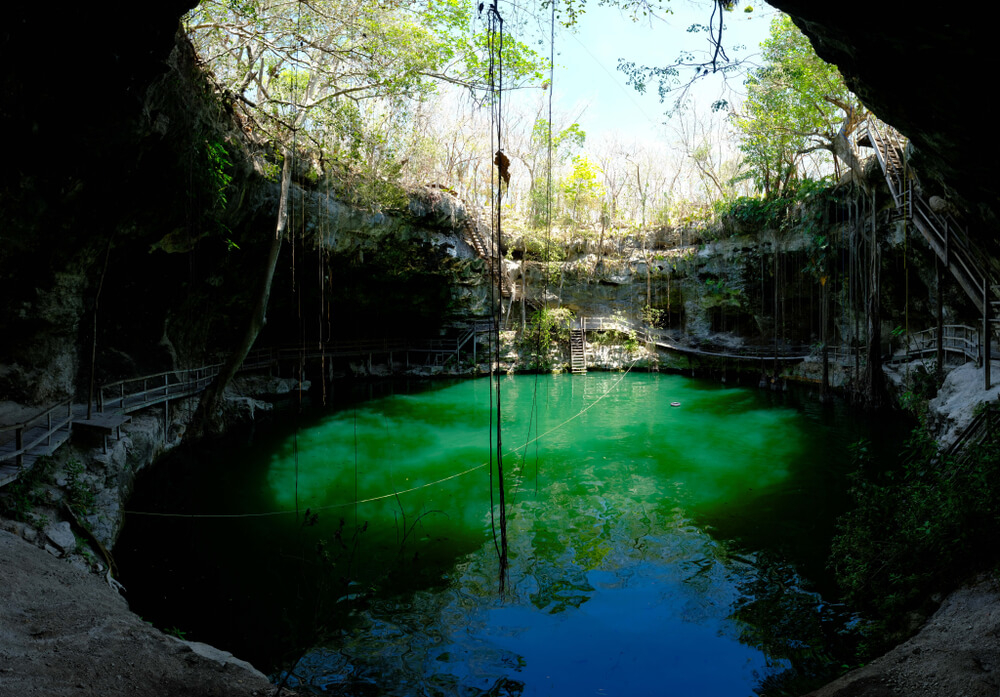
166 420
940 319
18 445
987 353
947 245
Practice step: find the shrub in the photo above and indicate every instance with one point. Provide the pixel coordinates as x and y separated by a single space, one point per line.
919 527
546 327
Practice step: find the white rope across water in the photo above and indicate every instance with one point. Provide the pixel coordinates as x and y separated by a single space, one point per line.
394 493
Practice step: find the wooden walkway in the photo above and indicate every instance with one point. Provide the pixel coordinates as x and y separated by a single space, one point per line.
22 444
956 339
666 341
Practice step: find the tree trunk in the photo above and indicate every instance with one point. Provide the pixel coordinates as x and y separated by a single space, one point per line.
844 151
208 417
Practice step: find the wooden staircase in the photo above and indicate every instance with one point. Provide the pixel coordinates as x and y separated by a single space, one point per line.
982 431
970 266
578 352
484 248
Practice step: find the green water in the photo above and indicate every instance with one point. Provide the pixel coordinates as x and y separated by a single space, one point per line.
654 549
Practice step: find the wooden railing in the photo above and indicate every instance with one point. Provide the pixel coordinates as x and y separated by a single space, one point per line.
952 243
984 428
666 340
133 394
606 324
956 338
967 263
846 356
31 433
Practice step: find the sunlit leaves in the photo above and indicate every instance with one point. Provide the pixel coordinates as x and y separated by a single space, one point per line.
795 104
292 57
583 189
345 76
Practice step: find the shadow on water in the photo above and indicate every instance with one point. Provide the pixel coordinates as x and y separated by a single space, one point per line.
651 545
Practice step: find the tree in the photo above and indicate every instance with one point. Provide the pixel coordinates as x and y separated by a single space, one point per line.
537 159
707 142
795 105
301 72
583 190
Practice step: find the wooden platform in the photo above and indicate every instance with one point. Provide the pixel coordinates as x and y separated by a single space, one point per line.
106 424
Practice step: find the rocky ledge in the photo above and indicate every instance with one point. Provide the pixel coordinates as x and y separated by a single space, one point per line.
956 654
64 631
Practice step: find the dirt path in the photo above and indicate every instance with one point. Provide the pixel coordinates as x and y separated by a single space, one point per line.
64 631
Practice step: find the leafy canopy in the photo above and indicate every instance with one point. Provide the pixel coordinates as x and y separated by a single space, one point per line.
312 65
795 104
583 189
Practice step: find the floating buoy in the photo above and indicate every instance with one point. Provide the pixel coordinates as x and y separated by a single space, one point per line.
675 404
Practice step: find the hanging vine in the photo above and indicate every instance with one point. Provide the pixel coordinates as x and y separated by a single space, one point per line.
497 181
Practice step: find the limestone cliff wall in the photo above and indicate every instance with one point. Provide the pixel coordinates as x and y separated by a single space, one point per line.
141 256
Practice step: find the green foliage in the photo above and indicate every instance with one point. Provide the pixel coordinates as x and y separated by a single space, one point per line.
302 63
775 212
346 77
795 104
546 328
756 213
19 499
564 143
537 246
652 316
626 338
569 12
921 385
583 190
218 165
918 527
79 496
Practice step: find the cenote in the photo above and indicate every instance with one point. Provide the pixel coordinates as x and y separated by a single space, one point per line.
654 549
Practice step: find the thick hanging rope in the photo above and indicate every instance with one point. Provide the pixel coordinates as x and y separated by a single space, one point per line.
495 47
906 267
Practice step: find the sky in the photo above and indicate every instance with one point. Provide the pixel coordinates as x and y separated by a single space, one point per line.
587 80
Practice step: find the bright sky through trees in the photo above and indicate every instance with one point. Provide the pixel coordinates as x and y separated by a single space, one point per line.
587 72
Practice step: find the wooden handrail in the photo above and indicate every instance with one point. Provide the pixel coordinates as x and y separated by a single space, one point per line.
20 446
981 428
950 240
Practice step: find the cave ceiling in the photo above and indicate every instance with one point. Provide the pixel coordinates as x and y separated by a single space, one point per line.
925 70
